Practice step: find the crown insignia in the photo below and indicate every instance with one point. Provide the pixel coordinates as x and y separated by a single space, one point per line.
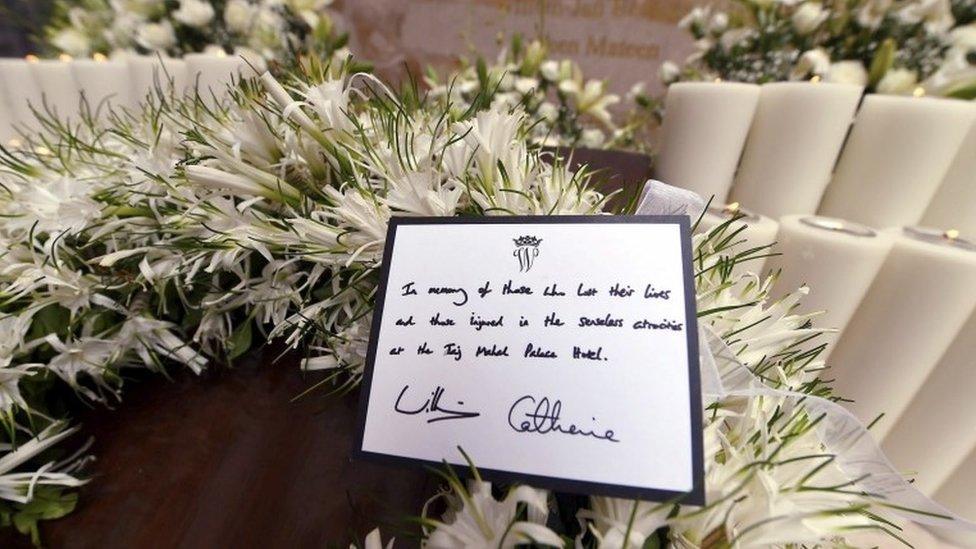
527 241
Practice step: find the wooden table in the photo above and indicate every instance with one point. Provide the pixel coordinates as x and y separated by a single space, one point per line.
226 459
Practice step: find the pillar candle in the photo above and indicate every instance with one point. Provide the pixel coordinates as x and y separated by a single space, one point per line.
837 259
7 131
149 72
899 151
58 87
793 144
921 297
954 204
940 416
705 126
756 231
102 82
956 493
212 73
21 91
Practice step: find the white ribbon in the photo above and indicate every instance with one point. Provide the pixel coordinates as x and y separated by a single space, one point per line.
856 452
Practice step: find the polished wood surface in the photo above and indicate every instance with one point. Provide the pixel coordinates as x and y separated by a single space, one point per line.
227 459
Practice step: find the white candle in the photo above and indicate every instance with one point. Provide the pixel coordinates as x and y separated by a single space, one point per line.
211 74
956 492
705 126
21 91
756 231
954 204
837 259
920 299
149 73
899 151
58 88
793 144
7 131
940 416
103 83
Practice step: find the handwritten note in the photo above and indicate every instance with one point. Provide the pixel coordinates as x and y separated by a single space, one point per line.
560 351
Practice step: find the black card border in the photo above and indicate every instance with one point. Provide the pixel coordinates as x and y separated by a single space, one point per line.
694 497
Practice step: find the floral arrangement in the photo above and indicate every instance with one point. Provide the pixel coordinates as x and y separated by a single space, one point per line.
567 108
181 235
254 28
890 46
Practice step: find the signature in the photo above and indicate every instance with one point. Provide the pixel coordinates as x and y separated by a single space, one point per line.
433 406
531 415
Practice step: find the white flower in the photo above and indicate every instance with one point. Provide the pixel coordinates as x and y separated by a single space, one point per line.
872 13
898 82
308 10
375 541
122 33
719 22
813 62
964 37
848 72
20 486
936 14
955 71
253 59
592 138
695 18
808 17
477 519
548 111
549 70
239 16
194 13
141 8
72 41
156 36
669 72
732 37
619 522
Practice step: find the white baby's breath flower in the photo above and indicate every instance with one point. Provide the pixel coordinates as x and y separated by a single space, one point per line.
808 17
194 13
669 72
898 81
718 22
733 37
847 72
695 18
156 36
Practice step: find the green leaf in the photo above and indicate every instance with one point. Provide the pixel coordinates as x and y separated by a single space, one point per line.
884 58
963 91
240 341
482 69
52 319
48 503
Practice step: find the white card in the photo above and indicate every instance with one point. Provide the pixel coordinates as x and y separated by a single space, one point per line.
557 351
